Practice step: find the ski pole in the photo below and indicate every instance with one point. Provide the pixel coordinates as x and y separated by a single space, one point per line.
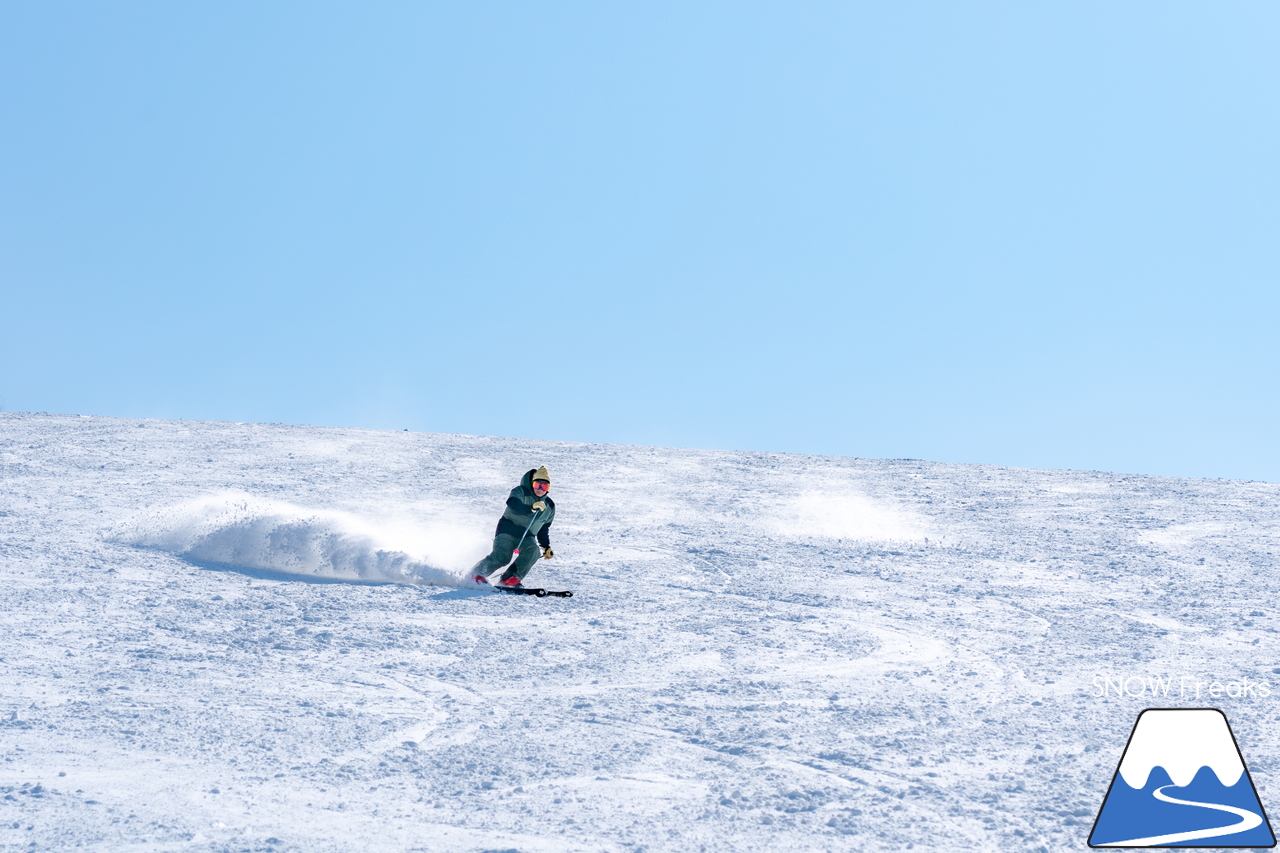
516 551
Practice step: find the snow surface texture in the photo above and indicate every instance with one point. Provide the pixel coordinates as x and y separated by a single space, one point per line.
765 652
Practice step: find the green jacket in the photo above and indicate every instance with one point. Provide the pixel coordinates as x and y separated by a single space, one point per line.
519 512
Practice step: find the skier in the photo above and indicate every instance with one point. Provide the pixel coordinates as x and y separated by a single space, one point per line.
527 517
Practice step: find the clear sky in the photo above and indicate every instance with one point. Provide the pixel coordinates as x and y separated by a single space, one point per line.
1032 234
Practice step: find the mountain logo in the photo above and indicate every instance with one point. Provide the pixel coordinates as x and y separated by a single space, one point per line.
1182 782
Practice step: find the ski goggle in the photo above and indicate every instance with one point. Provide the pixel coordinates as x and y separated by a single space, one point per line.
541 484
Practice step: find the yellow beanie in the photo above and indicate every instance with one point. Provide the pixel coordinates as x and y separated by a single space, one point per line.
541 474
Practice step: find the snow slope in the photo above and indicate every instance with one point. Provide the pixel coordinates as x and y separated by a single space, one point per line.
200 649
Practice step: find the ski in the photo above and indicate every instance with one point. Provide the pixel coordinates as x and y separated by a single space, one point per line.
533 590
521 590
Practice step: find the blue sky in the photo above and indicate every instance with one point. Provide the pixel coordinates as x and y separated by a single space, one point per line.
1029 234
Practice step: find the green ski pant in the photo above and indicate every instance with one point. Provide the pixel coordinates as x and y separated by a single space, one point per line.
503 545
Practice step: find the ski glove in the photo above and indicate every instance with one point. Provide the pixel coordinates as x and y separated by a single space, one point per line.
539 506
547 553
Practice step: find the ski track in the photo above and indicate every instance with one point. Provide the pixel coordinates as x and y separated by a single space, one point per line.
1248 820
745 666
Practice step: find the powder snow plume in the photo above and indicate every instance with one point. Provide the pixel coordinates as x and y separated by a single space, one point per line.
240 530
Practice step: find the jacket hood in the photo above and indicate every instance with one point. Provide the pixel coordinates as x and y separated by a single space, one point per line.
526 483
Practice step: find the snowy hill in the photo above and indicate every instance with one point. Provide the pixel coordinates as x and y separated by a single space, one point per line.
765 652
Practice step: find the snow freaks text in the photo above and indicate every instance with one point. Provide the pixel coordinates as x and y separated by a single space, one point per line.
1176 687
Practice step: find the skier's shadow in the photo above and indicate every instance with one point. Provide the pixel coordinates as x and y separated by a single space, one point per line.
459 594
